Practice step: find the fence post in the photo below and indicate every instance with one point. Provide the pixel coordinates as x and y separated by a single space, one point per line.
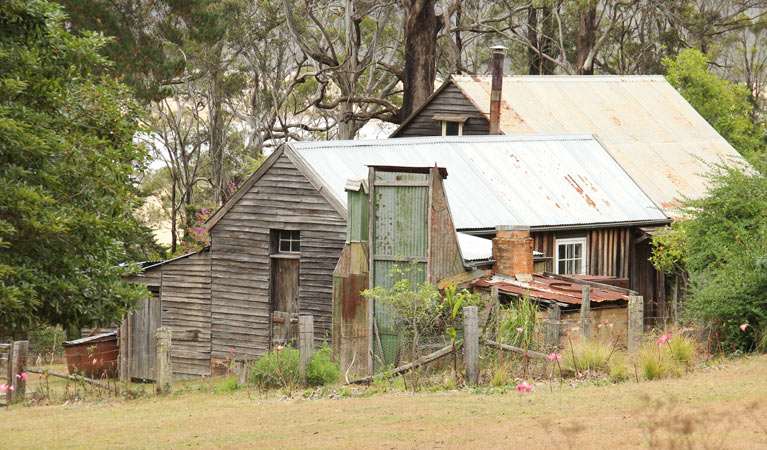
635 320
552 318
586 311
471 344
125 351
19 352
305 344
163 365
496 311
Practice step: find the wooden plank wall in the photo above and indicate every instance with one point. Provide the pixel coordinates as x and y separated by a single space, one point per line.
608 250
450 101
143 323
186 309
281 199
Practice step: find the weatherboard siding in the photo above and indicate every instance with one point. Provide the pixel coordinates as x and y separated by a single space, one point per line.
282 198
448 101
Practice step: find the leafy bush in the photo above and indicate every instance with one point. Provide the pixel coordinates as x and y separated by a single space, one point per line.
586 354
321 370
229 384
276 370
519 315
280 369
725 255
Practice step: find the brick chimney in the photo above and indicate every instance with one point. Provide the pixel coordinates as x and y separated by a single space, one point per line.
513 250
496 87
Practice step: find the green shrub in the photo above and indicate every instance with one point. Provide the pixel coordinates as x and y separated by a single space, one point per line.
657 362
586 354
229 384
520 314
321 370
276 370
682 348
619 368
280 369
761 339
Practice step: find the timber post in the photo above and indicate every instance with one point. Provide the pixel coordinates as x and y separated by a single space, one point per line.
124 351
163 364
305 344
17 363
586 311
471 344
496 310
553 315
635 320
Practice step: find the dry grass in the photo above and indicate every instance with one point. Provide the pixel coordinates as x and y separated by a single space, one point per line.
719 407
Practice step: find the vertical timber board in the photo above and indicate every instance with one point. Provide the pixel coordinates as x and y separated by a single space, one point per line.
282 198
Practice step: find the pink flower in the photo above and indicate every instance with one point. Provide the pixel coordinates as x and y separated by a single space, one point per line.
662 339
3 387
524 387
610 325
743 327
600 325
536 330
555 355
22 375
11 388
95 360
279 347
519 330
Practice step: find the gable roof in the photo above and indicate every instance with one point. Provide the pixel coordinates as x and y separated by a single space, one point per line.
645 124
540 181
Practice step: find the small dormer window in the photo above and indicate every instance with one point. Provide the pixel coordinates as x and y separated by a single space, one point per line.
452 125
290 241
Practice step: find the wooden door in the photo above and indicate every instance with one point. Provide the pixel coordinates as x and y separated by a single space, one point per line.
284 301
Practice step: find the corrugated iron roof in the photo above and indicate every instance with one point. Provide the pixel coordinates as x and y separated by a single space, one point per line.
475 248
645 124
499 180
547 288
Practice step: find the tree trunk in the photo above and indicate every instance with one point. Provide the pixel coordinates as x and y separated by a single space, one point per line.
533 55
586 37
173 212
421 26
216 139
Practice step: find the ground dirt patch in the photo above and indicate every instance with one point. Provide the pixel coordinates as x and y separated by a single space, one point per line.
719 407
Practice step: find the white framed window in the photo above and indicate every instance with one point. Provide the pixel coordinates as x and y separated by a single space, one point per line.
570 256
290 241
450 128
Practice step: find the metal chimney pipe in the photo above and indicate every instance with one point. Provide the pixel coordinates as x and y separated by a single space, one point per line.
499 52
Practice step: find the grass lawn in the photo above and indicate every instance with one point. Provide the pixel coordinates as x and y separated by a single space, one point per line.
719 407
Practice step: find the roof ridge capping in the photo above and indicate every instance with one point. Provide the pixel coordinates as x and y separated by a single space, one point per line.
436 140
568 78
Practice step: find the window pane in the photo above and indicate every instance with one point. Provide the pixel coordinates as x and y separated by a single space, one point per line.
561 268
451 128
577 266
295 235
577 250
561 252
284 245
296 247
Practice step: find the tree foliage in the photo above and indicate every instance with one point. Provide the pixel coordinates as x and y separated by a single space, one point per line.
726 106
67 187
725 252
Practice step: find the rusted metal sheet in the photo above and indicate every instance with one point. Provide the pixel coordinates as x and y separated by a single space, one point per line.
445 258
645 124
93 356
546 288
541 181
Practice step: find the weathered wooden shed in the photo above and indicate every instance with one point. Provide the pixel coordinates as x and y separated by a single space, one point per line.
276 242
